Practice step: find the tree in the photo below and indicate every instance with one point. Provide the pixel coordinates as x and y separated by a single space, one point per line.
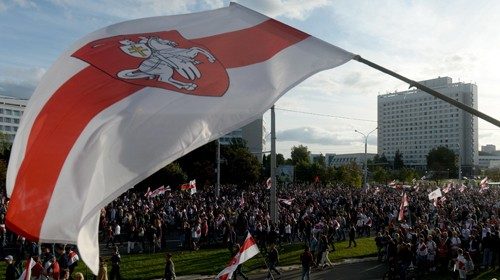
299 154
398 161
5 147
266 164
380 174
240 166
493 174
321 160
406 174
442 162
350 174
173 174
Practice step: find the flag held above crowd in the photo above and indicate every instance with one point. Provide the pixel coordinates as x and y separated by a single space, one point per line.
247 251
130 98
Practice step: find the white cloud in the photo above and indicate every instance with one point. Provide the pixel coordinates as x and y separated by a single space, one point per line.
20 82
25 3
293 9
312 135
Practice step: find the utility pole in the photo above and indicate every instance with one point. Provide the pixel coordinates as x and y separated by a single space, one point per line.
365 171
217 186
273 207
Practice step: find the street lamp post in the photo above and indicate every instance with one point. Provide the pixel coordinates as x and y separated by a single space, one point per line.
365 175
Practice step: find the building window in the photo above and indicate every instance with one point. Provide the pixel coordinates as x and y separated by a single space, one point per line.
8 112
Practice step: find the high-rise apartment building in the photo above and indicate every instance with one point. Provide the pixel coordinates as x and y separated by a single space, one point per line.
11 110
414 122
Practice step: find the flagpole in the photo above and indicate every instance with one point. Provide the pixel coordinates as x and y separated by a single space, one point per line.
430 91
272 202
264 257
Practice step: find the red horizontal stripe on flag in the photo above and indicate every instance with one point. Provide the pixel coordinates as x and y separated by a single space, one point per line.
52 136
249 242
252 45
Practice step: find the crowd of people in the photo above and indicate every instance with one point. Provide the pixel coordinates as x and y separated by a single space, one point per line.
459 231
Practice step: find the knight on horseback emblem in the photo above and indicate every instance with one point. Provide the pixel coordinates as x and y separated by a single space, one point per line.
162 58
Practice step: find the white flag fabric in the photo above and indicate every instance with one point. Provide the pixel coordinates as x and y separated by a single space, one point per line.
435 194
404 203
130 98
247 251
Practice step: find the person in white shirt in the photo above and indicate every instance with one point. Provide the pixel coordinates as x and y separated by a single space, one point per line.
431 253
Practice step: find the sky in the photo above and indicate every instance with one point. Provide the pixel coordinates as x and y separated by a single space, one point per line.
417 39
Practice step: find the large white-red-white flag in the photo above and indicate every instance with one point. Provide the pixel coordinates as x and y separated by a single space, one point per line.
404 203
247 251
130 98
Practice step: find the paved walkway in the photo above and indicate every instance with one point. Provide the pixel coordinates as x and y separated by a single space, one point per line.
366 268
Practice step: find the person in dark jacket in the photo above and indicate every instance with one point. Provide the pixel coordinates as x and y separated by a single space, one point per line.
169 268
352 235
115 266
272 261
10 272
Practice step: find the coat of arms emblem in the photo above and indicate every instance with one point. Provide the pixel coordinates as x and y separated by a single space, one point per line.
163 59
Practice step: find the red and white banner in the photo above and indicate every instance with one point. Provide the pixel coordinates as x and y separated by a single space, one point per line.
26 275
247 251
404 203
159 191
129 99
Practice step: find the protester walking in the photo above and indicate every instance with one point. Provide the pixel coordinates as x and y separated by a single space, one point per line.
307 261
272 261
115 265
169 268
352 235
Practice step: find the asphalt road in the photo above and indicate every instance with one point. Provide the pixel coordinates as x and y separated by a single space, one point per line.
365 270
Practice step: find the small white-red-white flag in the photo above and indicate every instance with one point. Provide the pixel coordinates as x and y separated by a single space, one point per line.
269 183
191 187
392 184
462 188
148 192
448 188
484 181
242 201
247 251
287 201
73 257
484 184
404 203
26 275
